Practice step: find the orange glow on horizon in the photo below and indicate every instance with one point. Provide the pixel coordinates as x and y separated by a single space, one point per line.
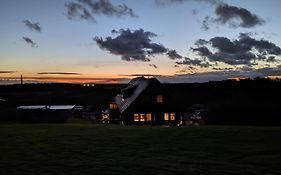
274 77
237 78
74 80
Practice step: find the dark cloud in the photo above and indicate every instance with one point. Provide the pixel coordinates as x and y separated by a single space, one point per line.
107 8
194 62
30 41
86 9
191 68
133 45
201 42
7 72
172 54
222 69
153 65
243 51
165 2
58 73
225 14
139 75
246 68
77 11
234 16
272 59
202 51
205 23
188 77
33 25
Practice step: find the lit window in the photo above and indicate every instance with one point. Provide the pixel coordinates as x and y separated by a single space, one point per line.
115 106
142 117
111 106
172 116
148 117
136 117
166 116
159 98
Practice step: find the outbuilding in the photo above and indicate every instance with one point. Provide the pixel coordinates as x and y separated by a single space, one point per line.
45 113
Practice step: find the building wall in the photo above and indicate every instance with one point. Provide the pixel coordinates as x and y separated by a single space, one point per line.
147 103
44 116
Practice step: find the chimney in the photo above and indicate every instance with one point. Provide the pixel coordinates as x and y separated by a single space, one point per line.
21 80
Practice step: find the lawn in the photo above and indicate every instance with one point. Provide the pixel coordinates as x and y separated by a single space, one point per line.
85 148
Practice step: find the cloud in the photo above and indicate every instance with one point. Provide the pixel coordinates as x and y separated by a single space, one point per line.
133 45
30 41
201 42
7 72
223 74
172 54
194 62
233 16
139 75
205 23
105 7
86 9
165 2
33 25
77 11
58 73
226 13
153 65
222 69
202 51
243 51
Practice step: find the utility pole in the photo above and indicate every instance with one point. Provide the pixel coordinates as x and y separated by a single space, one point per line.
21 82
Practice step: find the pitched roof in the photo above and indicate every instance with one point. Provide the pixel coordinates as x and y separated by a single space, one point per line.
136 86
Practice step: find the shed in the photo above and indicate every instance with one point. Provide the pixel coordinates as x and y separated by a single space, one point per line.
45 113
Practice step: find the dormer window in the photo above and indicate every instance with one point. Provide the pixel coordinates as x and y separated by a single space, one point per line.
159 98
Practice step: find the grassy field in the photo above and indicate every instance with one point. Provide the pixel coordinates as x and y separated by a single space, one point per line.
86 148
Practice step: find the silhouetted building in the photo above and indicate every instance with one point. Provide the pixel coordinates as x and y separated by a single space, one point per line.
145 101
45 113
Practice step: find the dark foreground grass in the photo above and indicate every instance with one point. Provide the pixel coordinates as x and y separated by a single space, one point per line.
85 148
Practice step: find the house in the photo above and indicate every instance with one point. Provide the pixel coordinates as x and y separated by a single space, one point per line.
45 113
145 101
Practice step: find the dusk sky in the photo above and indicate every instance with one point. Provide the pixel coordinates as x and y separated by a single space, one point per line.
108 40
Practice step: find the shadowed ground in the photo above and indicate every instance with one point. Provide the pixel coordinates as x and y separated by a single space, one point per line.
86 148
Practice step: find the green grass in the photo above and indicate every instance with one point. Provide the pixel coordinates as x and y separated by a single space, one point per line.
85 148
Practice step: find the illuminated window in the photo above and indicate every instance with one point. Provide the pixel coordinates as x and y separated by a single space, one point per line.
113 106
136 117
142 117
148 117
159 98
166 116
172 116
